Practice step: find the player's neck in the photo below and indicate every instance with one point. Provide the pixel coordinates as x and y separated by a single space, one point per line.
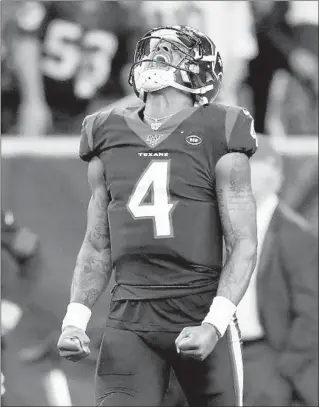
166 103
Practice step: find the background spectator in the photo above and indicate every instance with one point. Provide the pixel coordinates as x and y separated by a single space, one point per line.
278 315
68 54
20 268
283 45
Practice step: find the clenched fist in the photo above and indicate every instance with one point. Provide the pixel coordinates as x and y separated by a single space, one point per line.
197 342
73 344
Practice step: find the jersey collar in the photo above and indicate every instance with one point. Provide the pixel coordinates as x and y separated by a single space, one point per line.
144 131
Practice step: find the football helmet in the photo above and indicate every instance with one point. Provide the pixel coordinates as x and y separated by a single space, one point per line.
199 70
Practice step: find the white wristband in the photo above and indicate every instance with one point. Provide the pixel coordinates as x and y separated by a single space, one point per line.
220 314
77 315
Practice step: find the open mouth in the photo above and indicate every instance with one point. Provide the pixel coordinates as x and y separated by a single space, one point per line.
160 60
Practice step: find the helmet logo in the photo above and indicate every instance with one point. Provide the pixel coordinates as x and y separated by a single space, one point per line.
193 140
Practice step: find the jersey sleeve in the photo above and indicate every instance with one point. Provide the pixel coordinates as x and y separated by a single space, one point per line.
86 142
93 135
240 132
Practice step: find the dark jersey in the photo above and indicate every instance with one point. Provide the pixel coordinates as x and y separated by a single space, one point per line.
85 44
165 229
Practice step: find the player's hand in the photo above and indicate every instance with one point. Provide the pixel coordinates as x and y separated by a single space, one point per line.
73 344
34 119
197 342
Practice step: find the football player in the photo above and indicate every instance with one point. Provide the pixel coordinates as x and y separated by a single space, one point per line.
170 179
67 54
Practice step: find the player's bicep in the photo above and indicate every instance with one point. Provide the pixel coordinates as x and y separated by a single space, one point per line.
97 230
235 199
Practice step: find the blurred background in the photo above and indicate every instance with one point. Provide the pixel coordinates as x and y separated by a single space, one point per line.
61 60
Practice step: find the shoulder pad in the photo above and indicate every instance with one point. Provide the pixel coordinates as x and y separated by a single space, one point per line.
92 139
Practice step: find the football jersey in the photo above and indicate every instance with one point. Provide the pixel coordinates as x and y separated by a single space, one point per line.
85 44
165 229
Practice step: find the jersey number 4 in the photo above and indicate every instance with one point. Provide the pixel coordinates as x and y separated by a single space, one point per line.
154 181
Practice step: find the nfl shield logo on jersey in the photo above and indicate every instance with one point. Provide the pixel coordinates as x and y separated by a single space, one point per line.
153 139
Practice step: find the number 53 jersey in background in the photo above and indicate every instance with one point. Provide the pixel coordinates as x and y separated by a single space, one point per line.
85 44
166 234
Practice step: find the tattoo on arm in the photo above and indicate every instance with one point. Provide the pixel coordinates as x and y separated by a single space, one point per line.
93 266
237 210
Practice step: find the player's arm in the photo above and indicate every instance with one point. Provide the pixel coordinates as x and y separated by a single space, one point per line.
92 271
237 210
93 264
